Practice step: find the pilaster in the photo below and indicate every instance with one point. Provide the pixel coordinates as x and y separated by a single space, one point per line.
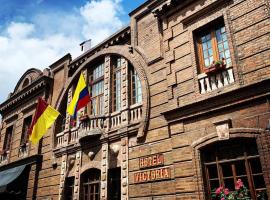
124 91
104 170
107 86
124 168
3 131
77 174
62 177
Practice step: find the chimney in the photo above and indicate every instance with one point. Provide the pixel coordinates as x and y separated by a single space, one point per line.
86 45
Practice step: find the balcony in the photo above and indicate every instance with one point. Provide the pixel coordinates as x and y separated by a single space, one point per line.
95 126
213 81
91 127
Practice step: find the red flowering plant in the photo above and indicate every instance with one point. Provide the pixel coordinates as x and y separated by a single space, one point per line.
240 192
220 193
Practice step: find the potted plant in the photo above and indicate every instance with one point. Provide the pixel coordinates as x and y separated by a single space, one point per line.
72 123
240 192
84 117
216 66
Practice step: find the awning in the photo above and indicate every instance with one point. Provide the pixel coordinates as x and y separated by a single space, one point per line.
9 175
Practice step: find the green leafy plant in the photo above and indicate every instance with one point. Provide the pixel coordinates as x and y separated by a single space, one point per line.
216 66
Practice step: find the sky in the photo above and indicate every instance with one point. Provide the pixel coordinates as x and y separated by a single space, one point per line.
36 33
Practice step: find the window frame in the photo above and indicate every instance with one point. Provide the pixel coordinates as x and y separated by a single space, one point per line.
97 98
8 139
138 86
211 29
91 178
25 134
248 174
69 187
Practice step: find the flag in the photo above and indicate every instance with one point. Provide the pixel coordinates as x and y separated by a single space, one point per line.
80 98
44 117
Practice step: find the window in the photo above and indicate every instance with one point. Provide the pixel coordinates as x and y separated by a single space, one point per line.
135 87
69 188
7 141
91 185
26 125
114 184
97 90
212 45
226 162
25 83
116 86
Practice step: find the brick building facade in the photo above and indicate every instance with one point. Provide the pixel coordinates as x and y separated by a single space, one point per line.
180 105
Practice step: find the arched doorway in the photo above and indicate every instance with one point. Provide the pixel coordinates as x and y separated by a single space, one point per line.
90 185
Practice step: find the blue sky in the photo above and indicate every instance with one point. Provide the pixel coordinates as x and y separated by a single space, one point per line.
35 33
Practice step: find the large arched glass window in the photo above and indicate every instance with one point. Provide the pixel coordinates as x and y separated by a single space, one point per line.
97 90
226 162
90 185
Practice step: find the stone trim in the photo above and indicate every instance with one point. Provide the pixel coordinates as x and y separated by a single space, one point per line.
124 168
104 171
210 139
62 177
138 61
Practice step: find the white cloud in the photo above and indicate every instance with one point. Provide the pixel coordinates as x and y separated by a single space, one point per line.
49 36
19 30
101 19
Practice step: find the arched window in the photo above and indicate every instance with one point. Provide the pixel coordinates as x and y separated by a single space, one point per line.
225 162
135 86
97 90
25 83
90 185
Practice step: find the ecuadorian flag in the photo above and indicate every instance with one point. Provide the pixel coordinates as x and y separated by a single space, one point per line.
80 98
43 119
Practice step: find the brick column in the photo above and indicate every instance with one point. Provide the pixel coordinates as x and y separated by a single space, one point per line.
77 175
3 133
124 91
62 177
32 183
263 144
124 168
15 138
107 86
104 170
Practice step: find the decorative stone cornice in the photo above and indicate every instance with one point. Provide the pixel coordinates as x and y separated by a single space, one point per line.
35 87
115 39
219 102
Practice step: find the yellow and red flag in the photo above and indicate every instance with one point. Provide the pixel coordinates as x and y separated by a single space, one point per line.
44 117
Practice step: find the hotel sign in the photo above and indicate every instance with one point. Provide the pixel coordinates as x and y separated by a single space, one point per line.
151 161
156 174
